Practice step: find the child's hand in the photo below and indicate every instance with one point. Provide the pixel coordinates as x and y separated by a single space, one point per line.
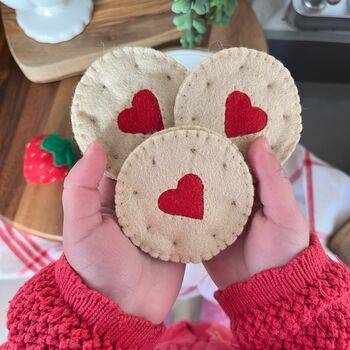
277 230
99 252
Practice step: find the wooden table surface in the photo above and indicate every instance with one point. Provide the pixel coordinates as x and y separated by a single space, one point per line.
28 109
114 23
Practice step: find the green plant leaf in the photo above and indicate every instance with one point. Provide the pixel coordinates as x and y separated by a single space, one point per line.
215 16
215 3
179 21
181 6
201 7
191 39
229 7
194 15
225 20
198 38
221 11
184 21
187 40
199 25
183 42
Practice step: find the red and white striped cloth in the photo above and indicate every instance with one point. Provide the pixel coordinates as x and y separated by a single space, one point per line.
22 255
322 192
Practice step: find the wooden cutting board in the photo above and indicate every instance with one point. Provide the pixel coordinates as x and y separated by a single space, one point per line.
114 23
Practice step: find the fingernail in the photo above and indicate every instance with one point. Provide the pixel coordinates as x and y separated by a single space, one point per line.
89 150
267 145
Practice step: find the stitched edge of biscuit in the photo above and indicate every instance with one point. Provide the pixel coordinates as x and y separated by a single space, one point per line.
75 111
240 51
222 245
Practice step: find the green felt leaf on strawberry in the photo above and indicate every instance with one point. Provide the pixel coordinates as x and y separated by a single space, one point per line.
61 149
48 158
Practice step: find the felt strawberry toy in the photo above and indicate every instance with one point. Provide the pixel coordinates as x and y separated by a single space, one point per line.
47 159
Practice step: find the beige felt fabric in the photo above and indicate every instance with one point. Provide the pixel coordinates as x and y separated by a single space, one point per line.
202 96
108 87
187 127
156 166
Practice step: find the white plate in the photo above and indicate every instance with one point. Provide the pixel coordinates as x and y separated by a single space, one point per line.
189 58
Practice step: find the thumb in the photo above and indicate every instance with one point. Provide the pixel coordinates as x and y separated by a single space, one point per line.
274 189
81 198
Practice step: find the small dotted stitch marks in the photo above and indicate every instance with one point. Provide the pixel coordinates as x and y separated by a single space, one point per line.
186 200
87 117
93 69
241 118
144 117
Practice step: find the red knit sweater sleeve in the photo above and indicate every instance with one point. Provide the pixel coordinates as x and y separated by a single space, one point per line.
55 310
304 305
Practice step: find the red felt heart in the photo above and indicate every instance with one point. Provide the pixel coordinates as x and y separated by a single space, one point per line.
144 117
241 118
186 200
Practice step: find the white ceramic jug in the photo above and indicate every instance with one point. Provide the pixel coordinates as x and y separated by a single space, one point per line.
52 21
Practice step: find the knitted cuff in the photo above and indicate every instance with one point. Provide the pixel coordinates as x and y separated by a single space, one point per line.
269 286
104 315
8 346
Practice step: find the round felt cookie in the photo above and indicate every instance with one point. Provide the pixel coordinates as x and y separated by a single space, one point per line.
243 93
184 195
123 98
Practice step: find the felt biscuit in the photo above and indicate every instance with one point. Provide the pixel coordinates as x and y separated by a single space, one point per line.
184 195
243 93
187 127
123 98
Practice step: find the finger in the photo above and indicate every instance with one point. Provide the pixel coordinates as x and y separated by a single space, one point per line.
81 198
274 189
107 192
229 265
